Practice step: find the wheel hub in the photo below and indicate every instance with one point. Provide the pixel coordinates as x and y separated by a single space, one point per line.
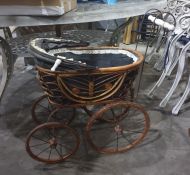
52 142
118 129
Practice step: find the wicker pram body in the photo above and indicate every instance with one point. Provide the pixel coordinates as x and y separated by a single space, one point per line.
87 87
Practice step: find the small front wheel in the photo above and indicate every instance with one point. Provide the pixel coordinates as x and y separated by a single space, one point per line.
43 111
52 142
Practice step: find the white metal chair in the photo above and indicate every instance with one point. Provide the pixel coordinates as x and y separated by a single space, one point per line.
177 52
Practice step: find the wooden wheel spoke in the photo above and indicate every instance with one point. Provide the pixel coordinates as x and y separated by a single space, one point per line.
49 156
121 115
40 139
42 151
59 153
126 139
52 132
117 141
140 121
46 108
118 117
65 146
133 131
38 144
48 133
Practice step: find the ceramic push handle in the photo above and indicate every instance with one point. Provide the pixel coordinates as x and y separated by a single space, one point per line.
160 22
56 64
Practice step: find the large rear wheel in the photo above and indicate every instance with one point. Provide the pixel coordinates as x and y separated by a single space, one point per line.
126 125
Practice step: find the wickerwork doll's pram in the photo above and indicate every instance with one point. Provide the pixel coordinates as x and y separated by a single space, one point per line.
76 78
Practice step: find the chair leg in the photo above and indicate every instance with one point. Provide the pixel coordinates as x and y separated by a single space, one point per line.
175 61
149 57
173 54
179 74
157 84
164 73
177 107
159 65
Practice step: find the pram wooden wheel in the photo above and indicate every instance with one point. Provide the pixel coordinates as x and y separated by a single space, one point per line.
52 142
42 109
63 115
126 125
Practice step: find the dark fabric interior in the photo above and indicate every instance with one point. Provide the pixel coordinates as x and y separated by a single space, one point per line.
100 60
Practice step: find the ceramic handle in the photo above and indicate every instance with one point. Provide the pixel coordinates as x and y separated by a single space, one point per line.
56 64
160 22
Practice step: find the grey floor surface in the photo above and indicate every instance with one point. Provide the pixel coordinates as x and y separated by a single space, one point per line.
164 151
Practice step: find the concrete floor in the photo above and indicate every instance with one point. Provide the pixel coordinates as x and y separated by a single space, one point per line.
164 151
